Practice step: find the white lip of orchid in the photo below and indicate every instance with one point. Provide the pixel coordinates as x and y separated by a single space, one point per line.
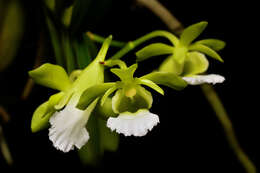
68 127
200 79
136 124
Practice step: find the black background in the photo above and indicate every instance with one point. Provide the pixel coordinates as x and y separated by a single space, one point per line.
189 137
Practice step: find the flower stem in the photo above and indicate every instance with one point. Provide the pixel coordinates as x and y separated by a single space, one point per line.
133 44
100 39
221 113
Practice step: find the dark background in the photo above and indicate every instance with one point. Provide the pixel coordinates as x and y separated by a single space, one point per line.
189 137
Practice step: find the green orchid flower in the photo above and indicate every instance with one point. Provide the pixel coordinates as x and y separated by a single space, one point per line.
131 101
187 58
68 123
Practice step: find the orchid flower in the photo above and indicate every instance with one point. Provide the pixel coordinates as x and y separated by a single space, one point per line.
131 101
187 59
67 122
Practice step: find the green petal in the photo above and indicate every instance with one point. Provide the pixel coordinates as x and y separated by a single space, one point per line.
214 44
206 50
92 93
41 117
154 49
52 76
170 65
167 79
106 110
192 32
195 63
108 93
125 74
152 85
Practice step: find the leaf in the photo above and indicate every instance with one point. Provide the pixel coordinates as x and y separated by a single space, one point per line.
68 53
152 85
55 42
167 79
214 44
154 49
83 54
52 76
206 50
92 93
195 63
192 32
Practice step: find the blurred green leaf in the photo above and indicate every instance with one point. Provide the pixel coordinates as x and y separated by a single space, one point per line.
154 49
11 32
56 43
192 32
83 51
91 153
109 140
68 53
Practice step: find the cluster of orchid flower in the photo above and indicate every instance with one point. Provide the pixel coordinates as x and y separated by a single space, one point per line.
67 112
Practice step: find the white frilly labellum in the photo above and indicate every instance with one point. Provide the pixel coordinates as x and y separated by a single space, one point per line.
68 128
136 124
200 79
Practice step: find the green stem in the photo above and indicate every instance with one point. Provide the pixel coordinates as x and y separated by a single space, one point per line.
133 44
100 39
221 113
111 63
126 47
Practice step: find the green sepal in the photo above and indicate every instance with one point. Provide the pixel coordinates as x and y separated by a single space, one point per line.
195 63
192 32
167 79
154 49
108 93
41 116
122 103
125 74
52 76
64 100
206 50
214 44
92 93
105 110
43 113
151 84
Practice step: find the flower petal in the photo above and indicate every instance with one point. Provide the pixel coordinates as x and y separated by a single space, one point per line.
68 127
136 124
200 79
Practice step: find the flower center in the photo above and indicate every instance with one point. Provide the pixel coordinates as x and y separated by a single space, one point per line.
130 92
